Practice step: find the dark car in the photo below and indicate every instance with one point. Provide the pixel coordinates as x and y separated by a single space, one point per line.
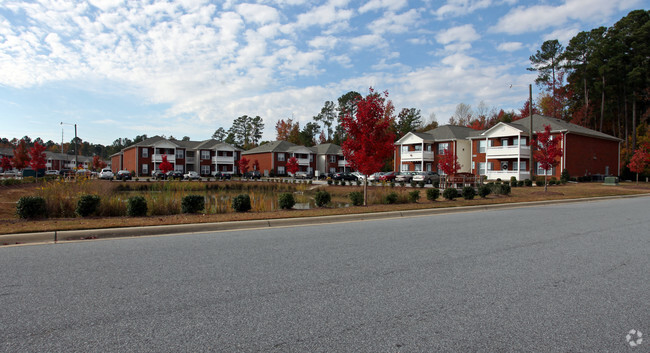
123 175
158 175
390 176
174 174
325 176
222 175
253 174
66 172
345 176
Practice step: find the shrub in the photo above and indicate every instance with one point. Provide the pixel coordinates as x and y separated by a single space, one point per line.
513 181
391 198
31 207
564 177
539 182
450 194
433 194
322 198
241 203
358 182
484 191
468 193
436 184
528 182
551 182
414 196
392 184
505 189
136 206
356 197
520 183
192 204
87 205
413 183
329 181
286 200
336 182
402 183
421 184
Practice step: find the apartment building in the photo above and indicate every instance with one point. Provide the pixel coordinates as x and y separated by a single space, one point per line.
330 159
272 157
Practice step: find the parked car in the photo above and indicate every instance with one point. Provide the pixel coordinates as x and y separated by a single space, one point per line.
159 175
66 172
191 175
390 176
174 174
404 177
345 176
304 175
359 176
325 176
84 172
52 172
375 176
106 173
11 173
222 175
253 174
123 175
427 177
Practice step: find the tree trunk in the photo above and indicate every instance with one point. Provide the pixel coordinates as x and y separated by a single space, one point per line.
633 120
545 182
584 80
602 107
365 191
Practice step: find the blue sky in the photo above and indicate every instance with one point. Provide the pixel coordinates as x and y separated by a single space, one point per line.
121 68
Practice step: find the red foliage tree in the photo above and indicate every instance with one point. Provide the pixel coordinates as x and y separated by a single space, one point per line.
448 163
292 166
547 151
369 140
5 163
98 163
243 165
639 161
21 157
37 160
165 166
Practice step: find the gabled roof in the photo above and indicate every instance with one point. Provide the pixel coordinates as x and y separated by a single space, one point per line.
186 144
213 144
328 148
275 146
452 132
539 121
152 141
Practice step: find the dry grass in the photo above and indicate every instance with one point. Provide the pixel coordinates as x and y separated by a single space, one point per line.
10 224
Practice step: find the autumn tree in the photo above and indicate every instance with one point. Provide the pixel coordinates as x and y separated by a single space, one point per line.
448 163
283 129
292 166
165 166
370 141
243 165
37 157
21 156
547 151
640 161
5 163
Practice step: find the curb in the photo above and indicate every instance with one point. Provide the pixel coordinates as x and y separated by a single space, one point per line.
108 233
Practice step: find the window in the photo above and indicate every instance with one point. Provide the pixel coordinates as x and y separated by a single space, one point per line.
541 171
417 147
442 147
405 149
523 141
205 169
514 165
180 154
179 168
490 166
311 157
332 158
504 142
332 170
145 168
205 154
481 146
429 167
523 165
405 167
429 148
145 153
281 169
418 167
281 159
473 165
481 168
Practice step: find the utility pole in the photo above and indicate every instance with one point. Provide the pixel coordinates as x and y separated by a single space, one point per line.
76 144
530 113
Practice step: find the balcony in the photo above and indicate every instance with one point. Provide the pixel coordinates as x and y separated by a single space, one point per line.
417 156
497 152
189 160
343 163
303 161
507 174
157 158
223 160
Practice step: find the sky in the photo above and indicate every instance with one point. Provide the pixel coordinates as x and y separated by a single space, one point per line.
122 68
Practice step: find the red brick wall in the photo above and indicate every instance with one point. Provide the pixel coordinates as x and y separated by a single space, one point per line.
264 160
130 159
588 155
115 163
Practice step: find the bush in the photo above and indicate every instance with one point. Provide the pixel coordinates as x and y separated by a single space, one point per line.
241 203
413 183
436 184
528 182
356 197
484 191
539 182
468 193
551 182
433 194
513 181
286 200
87 205
358 182
192 204
414 196
31 207
391 198
336 182
402 183
450 194
392 184
520 183
136 206
322 198
564 177
421 184
329 181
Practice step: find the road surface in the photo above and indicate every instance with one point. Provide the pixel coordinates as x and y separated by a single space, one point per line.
569 277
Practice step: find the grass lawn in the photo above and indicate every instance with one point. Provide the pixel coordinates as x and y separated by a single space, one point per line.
9 223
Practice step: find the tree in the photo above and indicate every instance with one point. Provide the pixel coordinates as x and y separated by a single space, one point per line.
220 134
327 116
347 106
292 166
640 161
37 157
448 163
98 163
5 163
308 134
548 151
245 131
463 115
243 165
283 129
21 157
430 124
165 166
370 141
408 119
546 62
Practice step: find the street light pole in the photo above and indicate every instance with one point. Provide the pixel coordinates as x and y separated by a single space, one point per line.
76 144
530 113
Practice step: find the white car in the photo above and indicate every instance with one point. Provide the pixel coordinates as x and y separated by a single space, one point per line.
106 173
359 176
192 175
375 177
52 172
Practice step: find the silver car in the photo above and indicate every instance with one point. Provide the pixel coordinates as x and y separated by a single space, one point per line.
106 173
404 177
427 177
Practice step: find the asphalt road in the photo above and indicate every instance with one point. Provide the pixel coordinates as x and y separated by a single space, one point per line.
572 277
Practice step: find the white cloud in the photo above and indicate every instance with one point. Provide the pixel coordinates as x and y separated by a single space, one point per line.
510 46
395 23
461 7
260 14
464 34
368 40
391 5
564 35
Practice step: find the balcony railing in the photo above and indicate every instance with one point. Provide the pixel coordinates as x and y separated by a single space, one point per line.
507 174
189 159
223 160
157 158
417 155
303 161
508 151
343 163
